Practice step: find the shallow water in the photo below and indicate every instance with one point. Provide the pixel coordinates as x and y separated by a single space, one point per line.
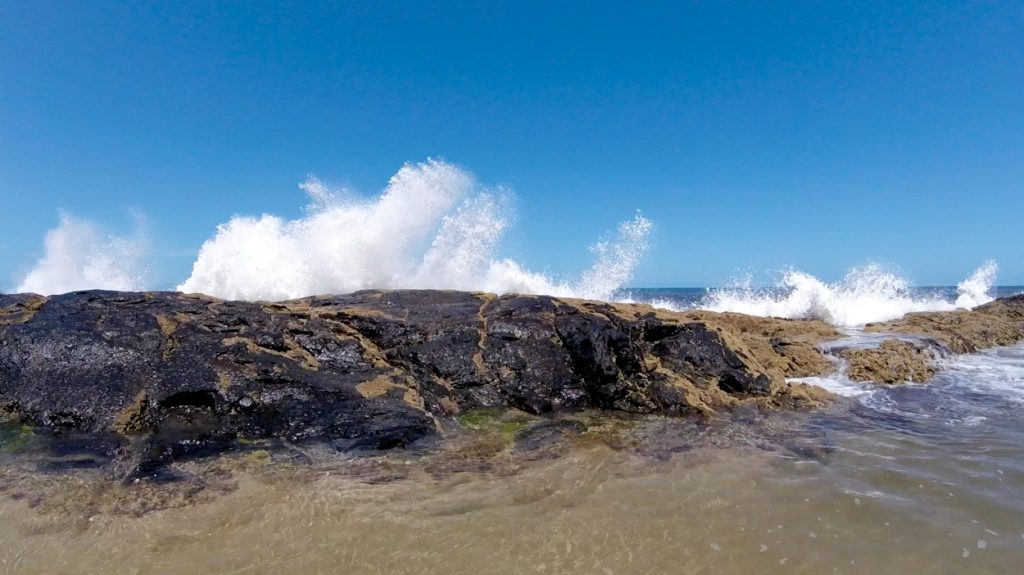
906 479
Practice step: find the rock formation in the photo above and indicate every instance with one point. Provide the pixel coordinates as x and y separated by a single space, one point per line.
163 375
158 376
1000 322
893 361
931 335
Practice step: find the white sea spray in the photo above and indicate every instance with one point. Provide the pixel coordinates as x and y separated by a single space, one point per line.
867 293
432 227
77 256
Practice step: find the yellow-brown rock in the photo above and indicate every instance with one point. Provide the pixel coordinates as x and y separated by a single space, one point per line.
893 361
1000 322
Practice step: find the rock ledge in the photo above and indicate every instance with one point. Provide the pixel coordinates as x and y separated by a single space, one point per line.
164 375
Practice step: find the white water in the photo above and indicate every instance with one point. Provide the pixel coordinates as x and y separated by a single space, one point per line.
867 294
998 370
976 289
78 256
433 227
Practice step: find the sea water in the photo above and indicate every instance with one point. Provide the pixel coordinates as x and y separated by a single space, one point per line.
902 479
435 226
913 478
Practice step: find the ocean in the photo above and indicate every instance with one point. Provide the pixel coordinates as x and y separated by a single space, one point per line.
915 478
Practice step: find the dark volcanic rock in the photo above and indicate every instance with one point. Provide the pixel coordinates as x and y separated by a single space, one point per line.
175 374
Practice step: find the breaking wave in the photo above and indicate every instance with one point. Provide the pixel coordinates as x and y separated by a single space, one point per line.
866 294
79 256
433 227
977 288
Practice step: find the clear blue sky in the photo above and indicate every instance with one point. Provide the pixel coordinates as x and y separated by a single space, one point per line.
755 135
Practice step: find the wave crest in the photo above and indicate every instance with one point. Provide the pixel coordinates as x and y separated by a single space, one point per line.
433 227
868 293
78 256
977 288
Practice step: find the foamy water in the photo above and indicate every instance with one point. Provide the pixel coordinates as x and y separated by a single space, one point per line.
435 226
868 293
998 371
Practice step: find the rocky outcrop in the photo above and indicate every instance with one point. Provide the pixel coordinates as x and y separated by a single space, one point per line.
164 375
932 335
893 361
790 347
1000 322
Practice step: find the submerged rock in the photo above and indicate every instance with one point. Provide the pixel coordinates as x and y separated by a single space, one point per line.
173 374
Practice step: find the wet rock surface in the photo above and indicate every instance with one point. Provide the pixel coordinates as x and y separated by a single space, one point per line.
1000 322
928 336
155 378
893 361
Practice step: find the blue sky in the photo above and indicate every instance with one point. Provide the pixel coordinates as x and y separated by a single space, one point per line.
755 135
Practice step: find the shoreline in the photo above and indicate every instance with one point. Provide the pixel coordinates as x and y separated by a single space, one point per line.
145 380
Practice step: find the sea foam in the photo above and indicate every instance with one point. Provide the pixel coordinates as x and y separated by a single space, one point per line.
433 226
867 293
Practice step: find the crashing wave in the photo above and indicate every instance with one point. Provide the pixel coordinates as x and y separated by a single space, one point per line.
866 294
78 256
433 227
